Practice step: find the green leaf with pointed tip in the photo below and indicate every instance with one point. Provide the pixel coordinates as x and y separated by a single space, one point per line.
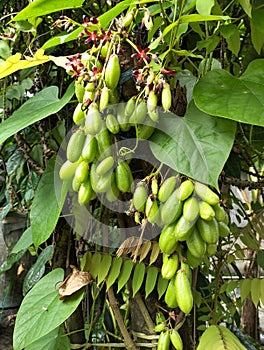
125 274
152 274
56 339
43 7
138 277
241 99
204 7
11 260
114 272
256 291
42 310
162 285
24 241
105 265
95 264
197 145
245 287
38 107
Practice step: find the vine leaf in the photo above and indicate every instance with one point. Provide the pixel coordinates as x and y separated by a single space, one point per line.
138 277
54 340
125 274
152 274
255 291
104 268
144 250
42 311
162 285
241 99
155 250
197 145
114 272
86 261
219 338
24 241
245 287
95 264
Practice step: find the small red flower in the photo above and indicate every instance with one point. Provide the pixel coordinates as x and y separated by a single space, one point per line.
141 55
94 73
106 36
92 37
167 71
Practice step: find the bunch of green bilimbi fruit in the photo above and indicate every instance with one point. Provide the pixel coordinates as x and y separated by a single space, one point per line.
192 220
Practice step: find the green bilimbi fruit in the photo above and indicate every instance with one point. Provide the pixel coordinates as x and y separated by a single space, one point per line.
206 211
176 340
209 230
139 114
185 190
113 192
124 177
90 148
112 124
205 193
160 327
75 185
112 72
90 86
183 291
166 98
67 170
82 172
191 209
224 230
128 19
171 209
152 102
220 214
85 192
100 184
166 189
140 197
114 96
152 210
88 95
130 107
170 295
79 91
104 98
104 49
154 186
154 115
167 240
93 121
196 244
75 146
164 341
185 267
159 318
144 131
122 119
211 249
183 229
169 266
192 260
105 165
78 114
104 143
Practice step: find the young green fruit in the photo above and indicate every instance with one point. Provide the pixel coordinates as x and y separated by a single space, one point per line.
90 148
104 98
104 143
105 165
166 188
75 185
139 114
140 197
166 98
224 230
114 96
191 209
169 266
164 341
85 192
206 194
170 295
79 90
130 107
152 101
112 72
144 131
154 115
167 239
67 170
183 229
152 210
75 146
160 327
82 172
183 292
185 190
206 211
128 19
124 177
78 114
211 249
113 192
220 214
176 340
171 209
196 244
93 121
209 230
112 124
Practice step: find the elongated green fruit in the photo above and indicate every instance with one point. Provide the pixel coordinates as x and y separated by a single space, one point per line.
183 228
67 170
220 214
105 165
124 177
176 340
206 211
112 124
82 172
185 190
75 146
145 130
169 266
166 98
140 197
139 114
164 341
128 19
166 188
113 192
183 292
170 295
191 209
79 90
152 210
104 98
112 72
85 192
224 230
211 249
171 209
209 230
90 148
93 121
196 244
75 185
78 114
192 260
167 239
206 194
130 107
152 101
104 143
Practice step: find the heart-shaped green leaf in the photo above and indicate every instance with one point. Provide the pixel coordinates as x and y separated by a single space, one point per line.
241 99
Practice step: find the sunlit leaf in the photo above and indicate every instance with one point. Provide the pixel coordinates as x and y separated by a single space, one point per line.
138 277
105 265
152 274
155 250
245 288
125 274
56 339
114 272
162 285
204 7
255 290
